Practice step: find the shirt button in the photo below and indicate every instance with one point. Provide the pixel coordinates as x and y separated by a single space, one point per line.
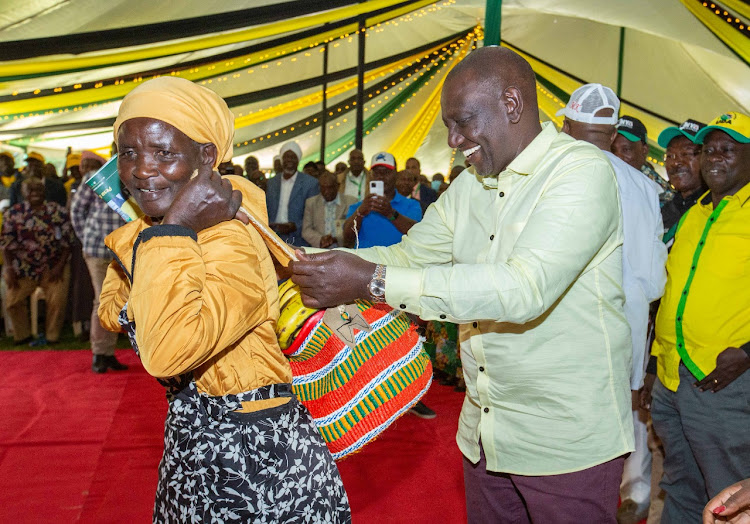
481 368
402 306
679 319
486 410
492 237
475 324
443 317
501 194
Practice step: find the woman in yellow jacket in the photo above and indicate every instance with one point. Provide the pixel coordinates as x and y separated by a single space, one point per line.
196 291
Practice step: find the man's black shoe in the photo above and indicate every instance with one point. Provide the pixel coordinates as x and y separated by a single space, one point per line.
99 364
422 411
115 364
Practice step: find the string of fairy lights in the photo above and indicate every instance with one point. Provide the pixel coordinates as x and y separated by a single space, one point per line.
425 62
378 112
725 15
222 71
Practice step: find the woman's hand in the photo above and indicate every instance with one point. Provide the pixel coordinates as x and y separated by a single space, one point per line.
206 200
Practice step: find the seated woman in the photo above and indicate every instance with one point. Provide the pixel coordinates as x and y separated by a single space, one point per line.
197 293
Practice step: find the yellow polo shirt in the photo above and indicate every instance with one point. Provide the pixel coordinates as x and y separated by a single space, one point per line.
706 304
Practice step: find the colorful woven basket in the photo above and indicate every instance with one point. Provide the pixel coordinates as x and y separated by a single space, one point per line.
354 393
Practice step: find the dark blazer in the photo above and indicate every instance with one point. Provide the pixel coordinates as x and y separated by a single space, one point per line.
304 187
427 196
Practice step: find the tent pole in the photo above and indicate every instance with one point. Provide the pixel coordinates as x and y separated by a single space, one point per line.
324 113
492 22
360 86
620 61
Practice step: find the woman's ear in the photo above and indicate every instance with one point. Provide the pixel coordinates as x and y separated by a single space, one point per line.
208 154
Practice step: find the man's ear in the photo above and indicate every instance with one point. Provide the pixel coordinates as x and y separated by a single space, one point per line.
565 127
645 149
208 154
513 102
612 138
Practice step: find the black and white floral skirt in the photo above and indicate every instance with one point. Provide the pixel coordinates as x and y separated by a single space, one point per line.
266 466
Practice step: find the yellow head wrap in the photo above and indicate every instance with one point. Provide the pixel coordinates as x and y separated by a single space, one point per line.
196 111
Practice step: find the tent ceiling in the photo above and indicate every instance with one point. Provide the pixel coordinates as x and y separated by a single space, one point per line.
673 66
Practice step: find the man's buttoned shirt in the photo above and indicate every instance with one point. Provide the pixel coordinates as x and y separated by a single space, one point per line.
529 263
706 304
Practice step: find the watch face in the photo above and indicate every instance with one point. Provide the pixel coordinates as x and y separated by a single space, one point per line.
377 288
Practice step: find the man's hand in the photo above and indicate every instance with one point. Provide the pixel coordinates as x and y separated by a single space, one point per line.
381 205
10 276
327 241
284 228
332 278
732 504
206 200
645 392
730 364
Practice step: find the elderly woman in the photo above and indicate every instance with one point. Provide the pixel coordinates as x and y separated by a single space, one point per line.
196 291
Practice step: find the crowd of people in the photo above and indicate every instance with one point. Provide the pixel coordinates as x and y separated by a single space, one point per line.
580 299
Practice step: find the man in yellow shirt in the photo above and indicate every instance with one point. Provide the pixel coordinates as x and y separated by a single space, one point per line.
525 253
701 402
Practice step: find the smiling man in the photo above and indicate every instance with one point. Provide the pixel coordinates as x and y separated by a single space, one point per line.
700 404
524 251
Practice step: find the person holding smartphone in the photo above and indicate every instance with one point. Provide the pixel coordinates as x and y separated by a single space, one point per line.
384 215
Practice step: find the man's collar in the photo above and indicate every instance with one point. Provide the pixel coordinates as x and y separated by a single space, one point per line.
398 198
527 161
335 201
743 196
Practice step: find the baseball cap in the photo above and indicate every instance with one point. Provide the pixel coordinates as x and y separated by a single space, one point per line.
73 159
736 125
689 128
383 159
632 129
588 100
35 156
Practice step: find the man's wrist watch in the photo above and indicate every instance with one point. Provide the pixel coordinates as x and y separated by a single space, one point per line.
376 287
394 216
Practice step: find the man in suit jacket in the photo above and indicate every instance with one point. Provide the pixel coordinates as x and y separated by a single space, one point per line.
286 195
325 214
423 193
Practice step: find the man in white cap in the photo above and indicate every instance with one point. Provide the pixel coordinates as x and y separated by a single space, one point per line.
381 220
591 115
286 195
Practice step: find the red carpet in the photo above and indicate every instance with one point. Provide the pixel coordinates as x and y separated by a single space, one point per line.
80 447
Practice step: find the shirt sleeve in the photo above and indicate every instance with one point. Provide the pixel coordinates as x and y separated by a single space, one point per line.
575 216
114 295
190 302
79 208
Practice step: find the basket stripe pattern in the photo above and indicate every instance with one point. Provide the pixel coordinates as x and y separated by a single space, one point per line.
355 393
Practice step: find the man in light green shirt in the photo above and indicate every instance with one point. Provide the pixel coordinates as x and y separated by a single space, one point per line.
524 251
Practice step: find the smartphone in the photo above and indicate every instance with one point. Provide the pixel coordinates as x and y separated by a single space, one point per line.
376 187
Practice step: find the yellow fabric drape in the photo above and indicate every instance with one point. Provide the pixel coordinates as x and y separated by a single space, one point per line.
738 42
407 143
94 60
317 97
